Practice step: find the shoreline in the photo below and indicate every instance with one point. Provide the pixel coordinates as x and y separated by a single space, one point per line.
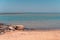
19 32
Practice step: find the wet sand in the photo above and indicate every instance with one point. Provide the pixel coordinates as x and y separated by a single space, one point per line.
32 35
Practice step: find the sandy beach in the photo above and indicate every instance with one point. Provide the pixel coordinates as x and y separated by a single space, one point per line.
31 35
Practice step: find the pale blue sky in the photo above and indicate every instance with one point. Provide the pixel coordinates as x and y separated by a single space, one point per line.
29 5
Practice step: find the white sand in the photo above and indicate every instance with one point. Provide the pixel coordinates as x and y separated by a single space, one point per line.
31 35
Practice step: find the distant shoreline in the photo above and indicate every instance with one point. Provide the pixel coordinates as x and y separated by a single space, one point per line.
11 13
31 13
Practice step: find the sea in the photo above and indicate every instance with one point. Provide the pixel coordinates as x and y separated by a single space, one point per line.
33 20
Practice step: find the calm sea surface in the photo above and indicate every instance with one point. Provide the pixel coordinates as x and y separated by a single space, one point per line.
37 20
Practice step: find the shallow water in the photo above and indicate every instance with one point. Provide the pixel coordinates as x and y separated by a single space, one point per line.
30 20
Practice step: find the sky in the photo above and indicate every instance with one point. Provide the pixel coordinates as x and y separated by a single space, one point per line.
29 6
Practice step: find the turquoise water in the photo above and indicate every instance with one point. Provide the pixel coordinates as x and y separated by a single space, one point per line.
29 17
37 20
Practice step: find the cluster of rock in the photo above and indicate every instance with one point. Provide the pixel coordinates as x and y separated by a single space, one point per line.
6 28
